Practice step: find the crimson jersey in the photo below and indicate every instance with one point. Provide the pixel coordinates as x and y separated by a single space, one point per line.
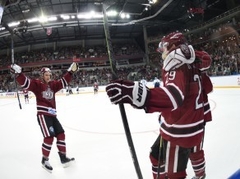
45 93
181 105
95 85
25 92
204 60
207 88
204 63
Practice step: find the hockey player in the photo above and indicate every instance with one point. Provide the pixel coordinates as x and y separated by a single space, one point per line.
50 126
180 101
70 89
77 89
156 82
26 97
203 63
95 87
143 81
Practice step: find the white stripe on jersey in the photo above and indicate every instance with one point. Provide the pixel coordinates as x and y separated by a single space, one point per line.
170 97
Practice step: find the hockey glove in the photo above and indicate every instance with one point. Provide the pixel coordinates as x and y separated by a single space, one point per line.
73 67
123 91
15 69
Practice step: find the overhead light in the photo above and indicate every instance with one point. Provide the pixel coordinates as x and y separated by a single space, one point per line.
52 18
152 1
146 5
98 3
43 19
90 15
32 20
122 15
26 11
12 24
65 17
112 13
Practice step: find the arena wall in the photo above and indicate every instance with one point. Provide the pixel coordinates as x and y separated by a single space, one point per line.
218 82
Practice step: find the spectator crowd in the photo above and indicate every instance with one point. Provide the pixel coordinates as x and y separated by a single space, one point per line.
221 42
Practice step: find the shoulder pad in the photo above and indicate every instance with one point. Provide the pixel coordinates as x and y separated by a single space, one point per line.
176 58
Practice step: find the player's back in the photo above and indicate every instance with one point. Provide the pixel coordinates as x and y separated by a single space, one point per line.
187 121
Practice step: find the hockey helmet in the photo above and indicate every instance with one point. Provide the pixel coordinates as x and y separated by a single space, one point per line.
45 69
174 38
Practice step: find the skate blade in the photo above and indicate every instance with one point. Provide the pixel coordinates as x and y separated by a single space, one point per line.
50 171
65 165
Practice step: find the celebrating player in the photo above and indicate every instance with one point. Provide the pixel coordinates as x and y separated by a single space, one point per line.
197 156
143 81
26 96
156 82
95 87
50 126
180 101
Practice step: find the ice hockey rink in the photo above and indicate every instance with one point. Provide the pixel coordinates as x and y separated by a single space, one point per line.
95 137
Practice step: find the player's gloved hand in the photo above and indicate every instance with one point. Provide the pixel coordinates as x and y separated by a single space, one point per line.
124 91
206 83
14 68
73 67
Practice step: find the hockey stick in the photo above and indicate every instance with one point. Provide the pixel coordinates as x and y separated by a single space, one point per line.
12 51
121 106
159 156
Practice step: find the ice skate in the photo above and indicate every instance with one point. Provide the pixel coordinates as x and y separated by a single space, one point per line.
46 165
65 160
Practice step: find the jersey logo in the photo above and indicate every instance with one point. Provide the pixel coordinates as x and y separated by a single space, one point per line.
48 94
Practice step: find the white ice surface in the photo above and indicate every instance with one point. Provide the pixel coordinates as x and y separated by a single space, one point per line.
95 137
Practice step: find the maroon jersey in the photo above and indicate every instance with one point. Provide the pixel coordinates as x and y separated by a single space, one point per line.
45 93
181 105
207 88
204 63
204 60
25 92
95 85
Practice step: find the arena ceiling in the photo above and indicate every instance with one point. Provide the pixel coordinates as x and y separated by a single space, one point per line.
158 18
